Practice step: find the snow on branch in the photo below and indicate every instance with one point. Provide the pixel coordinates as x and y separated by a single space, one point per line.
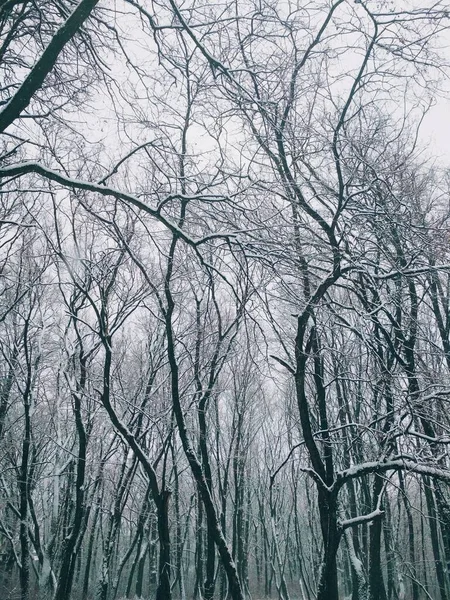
17 170
425 270
361 519
390 465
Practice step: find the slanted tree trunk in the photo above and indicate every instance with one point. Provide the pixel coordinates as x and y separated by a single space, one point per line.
160 497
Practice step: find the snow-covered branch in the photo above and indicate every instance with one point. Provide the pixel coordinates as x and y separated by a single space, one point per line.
17 170
390 465
361 519
45 63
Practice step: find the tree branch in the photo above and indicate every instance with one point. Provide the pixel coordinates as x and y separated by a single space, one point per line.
45 63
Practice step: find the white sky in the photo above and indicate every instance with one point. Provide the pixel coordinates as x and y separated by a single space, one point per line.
436 130
436 127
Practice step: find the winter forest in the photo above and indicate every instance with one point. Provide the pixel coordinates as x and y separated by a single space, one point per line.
224 300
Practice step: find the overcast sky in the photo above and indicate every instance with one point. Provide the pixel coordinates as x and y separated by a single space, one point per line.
436 127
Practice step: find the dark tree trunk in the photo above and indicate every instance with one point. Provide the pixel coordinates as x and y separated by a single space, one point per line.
377 589
234 586
140 535
411 538
23 493
164 591
327 501
24 477
160 497
90 551
199 558
71 543
390 557
328 580
434 535
179 535
6 387
140 573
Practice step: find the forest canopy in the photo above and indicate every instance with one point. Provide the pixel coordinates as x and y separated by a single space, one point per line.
224 300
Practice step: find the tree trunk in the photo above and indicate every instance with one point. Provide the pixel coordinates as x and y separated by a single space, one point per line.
434 535
234 587
23 493
71 543
89 555
377 590
411 538
164 591
328 581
